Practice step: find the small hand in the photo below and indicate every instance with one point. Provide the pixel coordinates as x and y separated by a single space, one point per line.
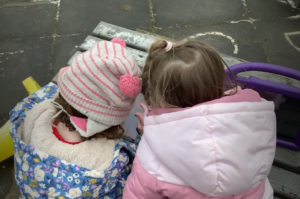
140 116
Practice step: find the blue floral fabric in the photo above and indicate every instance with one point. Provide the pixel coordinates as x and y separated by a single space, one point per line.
40 175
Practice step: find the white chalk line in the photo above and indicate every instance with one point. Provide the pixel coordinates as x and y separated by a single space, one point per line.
236 48
11 53
292 3
286 35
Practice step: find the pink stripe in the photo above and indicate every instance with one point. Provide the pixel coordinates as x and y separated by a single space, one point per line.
130 64
114 47
99 69
93 103
105 63
87 87
127 71
91 110
93 82
87 66
76 85
116 65
106 49
98 50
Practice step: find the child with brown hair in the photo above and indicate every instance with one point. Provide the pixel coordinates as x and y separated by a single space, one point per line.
198 140
71 146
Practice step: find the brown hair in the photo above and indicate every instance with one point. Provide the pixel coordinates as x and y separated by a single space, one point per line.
114 132
189 74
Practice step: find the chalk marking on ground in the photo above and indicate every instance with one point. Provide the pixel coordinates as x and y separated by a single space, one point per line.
249 21
54 35
11 53
244 3
245 7
292 3
286 35
236 48
50 1
283 1
294 17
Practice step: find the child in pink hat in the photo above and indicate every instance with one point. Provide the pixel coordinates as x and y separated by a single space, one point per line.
72 146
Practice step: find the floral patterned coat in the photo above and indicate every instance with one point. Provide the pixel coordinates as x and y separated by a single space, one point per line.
39 175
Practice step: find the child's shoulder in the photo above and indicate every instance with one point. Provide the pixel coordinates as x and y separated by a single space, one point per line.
46 92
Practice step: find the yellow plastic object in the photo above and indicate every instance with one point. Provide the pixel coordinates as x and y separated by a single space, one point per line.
31 85
6 142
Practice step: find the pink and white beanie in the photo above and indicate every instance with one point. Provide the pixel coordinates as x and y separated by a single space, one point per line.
101 83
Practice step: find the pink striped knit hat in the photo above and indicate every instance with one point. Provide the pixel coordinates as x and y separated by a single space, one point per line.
101 83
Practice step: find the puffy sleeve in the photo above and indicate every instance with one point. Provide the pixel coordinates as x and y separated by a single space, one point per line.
140 184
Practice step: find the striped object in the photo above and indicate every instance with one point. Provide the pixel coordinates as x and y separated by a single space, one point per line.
101 83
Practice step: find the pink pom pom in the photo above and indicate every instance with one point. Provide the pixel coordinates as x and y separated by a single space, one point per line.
129 85
119 41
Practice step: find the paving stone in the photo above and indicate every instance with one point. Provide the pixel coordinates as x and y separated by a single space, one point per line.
64 49
30 21
267 9
277 47
171 12
20 59
14 192
6 177
78 16
223 38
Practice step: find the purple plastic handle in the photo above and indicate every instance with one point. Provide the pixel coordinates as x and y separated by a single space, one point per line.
266 85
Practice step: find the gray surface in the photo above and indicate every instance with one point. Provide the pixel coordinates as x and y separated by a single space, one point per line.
285 184
14 192
276 47
64 48
132 38
287 159
171 12
243 33
7 179
272 77
73 57
89 42
69 63
82 16
138 55
295 39
39 21
267 9
20 59
131 121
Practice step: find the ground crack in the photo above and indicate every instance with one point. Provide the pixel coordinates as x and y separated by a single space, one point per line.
152 27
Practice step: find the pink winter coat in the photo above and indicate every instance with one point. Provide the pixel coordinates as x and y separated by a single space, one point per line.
221 149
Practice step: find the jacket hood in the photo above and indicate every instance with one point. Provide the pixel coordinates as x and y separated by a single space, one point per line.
219 148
